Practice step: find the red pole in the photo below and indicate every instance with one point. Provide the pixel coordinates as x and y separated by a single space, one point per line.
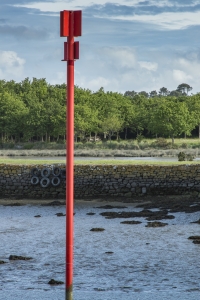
70 26
70 162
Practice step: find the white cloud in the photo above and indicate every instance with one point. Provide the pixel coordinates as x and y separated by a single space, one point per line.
181 76
120 57
57 5
151 66
165 21
98 82
11 64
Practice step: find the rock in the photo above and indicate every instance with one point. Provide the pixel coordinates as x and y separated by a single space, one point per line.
37 216
130 222
197 222
194 237
18 257
55 282
145 213
110 207
109 252
90 214
60 215
160 217
2 262
97 229
155 224
196 241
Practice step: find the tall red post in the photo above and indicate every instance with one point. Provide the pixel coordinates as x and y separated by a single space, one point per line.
70 26
70 163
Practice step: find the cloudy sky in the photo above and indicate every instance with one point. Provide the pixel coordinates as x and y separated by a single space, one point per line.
125 44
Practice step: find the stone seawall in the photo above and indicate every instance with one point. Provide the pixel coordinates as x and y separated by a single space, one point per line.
95 181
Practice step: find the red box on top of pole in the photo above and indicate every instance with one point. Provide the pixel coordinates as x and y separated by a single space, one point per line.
65 16
77 23
64 23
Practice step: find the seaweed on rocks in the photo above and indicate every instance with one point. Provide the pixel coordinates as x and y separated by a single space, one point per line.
55 282
111 206
156 224
145 213
97 229
19 257
130 222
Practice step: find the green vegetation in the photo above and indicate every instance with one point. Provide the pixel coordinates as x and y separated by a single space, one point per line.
34 113
92 162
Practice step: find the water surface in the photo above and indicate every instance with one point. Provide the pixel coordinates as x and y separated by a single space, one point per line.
146 263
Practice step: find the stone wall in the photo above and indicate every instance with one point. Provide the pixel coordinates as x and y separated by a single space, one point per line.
93 181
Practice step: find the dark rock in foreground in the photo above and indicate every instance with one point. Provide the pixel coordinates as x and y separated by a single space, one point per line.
197 222
19 257
109 252
97 229
196 241
145 213
110 206
160 217
195 238
155 224
60 215
2 262
90 214
37 216
55 282
130 222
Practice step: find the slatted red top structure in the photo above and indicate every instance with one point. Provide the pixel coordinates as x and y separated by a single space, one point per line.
65 16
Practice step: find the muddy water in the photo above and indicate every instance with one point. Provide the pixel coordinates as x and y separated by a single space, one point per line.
145 263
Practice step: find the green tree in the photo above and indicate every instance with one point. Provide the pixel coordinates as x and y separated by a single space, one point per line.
143 93
130 94
153 94
184 88
163 91
169 118
12 117
193 103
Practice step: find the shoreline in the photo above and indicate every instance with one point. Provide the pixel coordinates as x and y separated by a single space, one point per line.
112 201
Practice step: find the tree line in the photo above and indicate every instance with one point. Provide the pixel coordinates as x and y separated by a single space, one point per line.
34 110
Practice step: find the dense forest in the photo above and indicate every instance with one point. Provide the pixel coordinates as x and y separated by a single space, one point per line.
34 110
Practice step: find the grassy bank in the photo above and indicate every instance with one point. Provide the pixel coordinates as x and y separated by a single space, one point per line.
140 143
92 162
99 153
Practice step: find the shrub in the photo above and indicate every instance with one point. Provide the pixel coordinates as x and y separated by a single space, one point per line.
139 138
161 143
182 156
184 146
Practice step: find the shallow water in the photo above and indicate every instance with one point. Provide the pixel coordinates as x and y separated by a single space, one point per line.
146 263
